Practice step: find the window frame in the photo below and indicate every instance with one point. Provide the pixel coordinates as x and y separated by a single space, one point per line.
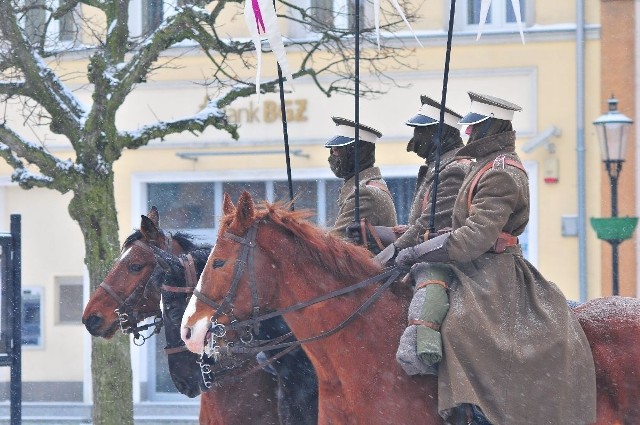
299 30
60 281
497 12
53 31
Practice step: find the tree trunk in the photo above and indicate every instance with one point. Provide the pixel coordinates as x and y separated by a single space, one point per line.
93 207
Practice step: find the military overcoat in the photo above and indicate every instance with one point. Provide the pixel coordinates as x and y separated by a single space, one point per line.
452 172
511 344
375 202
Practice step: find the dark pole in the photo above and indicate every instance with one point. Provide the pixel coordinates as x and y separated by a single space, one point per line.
613 169
16 306
445 81
356 154
285 132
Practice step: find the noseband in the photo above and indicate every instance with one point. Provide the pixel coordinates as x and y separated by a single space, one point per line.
128 314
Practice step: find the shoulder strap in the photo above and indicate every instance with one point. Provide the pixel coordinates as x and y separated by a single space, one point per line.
497 163
381 186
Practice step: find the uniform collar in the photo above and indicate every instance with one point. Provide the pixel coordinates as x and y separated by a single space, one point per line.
490 144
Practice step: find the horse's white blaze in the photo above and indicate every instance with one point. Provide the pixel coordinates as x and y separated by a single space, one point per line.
197 332
124 254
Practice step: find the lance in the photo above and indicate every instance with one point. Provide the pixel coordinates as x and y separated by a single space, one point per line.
356 154
438 136
285 132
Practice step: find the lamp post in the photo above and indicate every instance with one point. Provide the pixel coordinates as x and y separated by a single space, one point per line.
613 134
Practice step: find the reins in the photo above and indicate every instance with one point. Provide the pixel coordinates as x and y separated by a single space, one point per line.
226 307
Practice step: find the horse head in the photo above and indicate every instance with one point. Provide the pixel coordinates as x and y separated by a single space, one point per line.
127 295
184 366
223 277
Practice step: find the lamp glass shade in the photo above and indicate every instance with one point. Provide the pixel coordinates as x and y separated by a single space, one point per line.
613 132
613 137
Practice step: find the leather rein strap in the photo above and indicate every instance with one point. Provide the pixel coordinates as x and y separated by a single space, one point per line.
248 243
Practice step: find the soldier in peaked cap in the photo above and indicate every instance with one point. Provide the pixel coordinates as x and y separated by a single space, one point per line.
512 348
375 200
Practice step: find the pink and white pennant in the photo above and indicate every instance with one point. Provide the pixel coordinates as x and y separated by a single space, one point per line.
484 11
376 17
261 19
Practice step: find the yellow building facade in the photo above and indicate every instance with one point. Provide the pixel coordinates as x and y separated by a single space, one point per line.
185 176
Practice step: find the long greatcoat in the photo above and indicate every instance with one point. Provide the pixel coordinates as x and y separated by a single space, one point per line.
511 344
375 202
452 173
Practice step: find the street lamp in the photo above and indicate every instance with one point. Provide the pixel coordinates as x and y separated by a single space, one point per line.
613 134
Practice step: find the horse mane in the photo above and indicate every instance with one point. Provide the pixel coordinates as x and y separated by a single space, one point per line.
342 259
183 239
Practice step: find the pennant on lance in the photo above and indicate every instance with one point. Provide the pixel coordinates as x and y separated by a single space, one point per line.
261 18
376 16
484 11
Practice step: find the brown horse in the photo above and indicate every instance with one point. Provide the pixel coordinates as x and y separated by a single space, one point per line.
130 293
612 325
359 378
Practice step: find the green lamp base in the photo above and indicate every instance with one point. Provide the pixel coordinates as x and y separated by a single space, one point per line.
614 228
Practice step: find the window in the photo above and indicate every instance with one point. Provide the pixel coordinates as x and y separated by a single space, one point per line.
32 317
338 14
145 16
69 297
193 206
500 13
151 15
35 18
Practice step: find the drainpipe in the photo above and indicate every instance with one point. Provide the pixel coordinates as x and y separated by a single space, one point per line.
580 150
637 138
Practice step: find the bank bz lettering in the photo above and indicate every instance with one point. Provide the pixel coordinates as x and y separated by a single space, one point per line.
269 112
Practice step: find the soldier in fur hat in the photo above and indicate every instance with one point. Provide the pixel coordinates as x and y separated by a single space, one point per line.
512 348
375 200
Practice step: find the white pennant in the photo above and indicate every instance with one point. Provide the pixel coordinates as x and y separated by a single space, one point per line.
272 31
484 10
376 16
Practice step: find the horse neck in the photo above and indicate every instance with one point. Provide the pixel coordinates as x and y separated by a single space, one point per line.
307 279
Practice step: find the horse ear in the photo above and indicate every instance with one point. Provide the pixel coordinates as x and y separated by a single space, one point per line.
245 211
227 206
154 216
149 229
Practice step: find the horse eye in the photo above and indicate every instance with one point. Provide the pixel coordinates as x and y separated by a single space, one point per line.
135 268
217 263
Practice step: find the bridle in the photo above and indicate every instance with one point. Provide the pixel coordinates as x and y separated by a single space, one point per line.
126 310
225 308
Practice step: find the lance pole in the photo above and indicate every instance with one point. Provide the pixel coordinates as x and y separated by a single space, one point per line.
356 155
285 132
445 82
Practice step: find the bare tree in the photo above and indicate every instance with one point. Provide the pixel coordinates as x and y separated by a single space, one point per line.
37 35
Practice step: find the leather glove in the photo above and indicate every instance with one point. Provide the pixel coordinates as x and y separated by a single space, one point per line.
354 233
433 250
386 255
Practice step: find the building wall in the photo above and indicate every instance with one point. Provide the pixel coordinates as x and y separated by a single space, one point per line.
619 78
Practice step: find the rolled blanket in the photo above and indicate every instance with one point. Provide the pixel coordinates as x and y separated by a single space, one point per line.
421 344
407 355
408 358
434 310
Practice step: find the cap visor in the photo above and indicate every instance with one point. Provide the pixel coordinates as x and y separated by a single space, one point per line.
472 118
420 121
339 141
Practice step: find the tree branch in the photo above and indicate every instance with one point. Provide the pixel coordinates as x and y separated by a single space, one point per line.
55 174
